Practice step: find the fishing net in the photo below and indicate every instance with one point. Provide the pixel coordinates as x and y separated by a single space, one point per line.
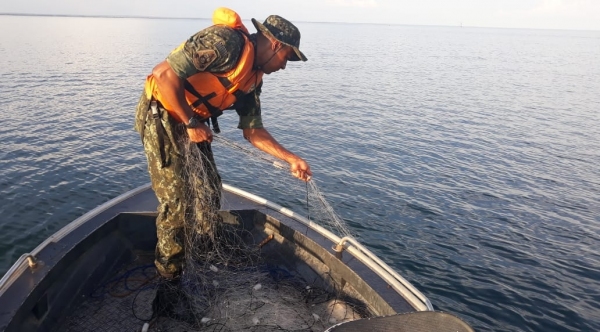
227 284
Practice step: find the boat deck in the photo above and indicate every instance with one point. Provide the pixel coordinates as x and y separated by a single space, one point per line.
122 303
97 273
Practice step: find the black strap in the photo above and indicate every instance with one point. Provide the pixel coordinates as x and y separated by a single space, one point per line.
215 124
159 131
225 82
161 142
143 130
202 99
239 94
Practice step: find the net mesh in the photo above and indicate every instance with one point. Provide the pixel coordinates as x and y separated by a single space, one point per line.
228 283
273 174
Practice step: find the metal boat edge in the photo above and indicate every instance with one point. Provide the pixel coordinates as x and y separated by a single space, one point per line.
400 284
29 259
34 269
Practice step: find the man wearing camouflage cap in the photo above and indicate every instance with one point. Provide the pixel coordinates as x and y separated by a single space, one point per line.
178 103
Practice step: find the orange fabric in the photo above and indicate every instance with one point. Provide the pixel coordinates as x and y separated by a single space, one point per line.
242 76
229 18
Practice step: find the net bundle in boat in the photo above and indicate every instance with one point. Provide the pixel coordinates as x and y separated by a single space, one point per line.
227 284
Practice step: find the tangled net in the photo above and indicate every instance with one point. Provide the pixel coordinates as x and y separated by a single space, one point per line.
227 284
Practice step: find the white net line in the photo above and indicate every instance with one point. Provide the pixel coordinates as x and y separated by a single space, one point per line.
228 285
317 207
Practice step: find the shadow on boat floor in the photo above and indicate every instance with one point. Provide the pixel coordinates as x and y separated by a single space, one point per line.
124 303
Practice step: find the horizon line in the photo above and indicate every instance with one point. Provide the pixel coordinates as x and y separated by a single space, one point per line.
460 25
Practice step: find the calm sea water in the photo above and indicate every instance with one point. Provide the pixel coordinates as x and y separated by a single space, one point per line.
466 158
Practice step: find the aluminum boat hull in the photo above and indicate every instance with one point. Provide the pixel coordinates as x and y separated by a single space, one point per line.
44 286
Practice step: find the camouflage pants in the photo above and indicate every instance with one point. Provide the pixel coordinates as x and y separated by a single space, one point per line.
169 182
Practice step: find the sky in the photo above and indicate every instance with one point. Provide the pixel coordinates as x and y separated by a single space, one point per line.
537 14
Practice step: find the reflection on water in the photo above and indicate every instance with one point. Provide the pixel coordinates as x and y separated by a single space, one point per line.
465 158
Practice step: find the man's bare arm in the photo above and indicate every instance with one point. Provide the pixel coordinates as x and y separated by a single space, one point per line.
263 140
171 88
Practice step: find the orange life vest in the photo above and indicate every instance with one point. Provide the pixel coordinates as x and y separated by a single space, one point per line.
208 94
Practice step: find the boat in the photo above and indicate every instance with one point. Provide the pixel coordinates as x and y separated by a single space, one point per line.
58 285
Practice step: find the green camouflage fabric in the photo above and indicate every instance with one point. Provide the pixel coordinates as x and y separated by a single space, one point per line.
227 45
215 49
226 42
169 184
283 30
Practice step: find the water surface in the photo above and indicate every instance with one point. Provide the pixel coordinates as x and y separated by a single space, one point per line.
466 158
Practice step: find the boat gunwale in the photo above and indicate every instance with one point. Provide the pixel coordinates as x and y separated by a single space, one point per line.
20 265
398 283
402 286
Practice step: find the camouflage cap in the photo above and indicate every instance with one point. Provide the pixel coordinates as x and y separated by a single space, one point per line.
282 30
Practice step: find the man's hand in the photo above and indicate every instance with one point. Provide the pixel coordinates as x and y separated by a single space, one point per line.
300 169
200 134
261 139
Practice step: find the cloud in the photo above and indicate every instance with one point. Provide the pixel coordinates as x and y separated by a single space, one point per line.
354 3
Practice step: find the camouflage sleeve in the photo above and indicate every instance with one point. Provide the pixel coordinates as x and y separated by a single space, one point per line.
248 108
215 49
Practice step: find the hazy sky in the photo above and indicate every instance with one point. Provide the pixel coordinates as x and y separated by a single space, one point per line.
553 14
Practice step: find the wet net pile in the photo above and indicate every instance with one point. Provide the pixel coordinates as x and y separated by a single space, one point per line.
227 285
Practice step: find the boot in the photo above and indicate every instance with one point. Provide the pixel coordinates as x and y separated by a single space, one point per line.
166 297
171 302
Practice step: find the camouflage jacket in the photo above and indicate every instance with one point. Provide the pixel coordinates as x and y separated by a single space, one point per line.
216 49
